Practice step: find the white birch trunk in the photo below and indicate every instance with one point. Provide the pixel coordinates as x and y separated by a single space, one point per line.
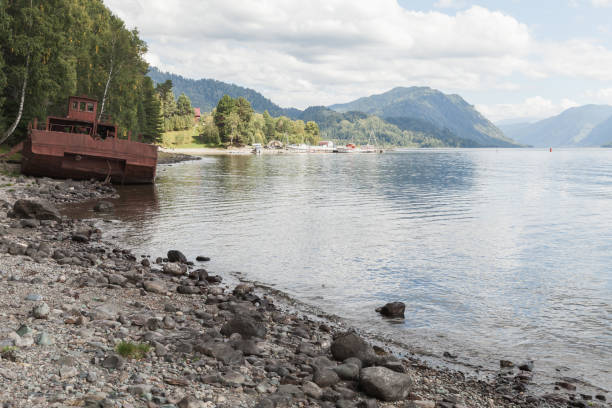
10 131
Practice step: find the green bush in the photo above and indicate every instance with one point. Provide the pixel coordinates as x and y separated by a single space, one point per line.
136 351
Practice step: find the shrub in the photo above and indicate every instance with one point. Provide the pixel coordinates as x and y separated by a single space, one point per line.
136 351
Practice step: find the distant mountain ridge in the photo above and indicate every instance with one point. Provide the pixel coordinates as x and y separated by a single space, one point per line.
403 116
358 127
583 126
424 104
205 93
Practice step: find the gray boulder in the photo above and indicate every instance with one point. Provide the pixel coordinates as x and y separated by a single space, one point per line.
220 351
40 210
393 309
385 384
348 345
154 286
245 326
174 269
176 256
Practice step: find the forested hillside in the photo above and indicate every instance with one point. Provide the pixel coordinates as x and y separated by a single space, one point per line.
205 93
358 127
51 49
447 113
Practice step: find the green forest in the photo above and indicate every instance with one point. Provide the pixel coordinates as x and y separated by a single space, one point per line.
52 49
234 122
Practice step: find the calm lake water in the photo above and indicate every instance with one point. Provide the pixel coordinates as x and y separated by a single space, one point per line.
497 253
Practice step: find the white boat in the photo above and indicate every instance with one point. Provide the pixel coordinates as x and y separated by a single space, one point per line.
257 148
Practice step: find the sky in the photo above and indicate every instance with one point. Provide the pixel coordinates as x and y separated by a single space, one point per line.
515 60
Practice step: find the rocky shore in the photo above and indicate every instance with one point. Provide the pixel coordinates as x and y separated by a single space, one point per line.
86 323
165 157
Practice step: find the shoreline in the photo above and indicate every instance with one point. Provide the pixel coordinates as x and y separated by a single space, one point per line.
212 345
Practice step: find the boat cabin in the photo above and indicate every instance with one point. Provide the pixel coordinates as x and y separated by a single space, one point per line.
81 119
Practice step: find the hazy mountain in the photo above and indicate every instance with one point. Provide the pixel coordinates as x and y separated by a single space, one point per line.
573 127
357 127
443 111
601 134
205 93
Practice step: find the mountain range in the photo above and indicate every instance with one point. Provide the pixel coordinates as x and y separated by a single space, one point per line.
205 93
583 126
427 105
415 116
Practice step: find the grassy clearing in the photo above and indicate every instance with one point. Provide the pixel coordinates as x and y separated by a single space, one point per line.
184 139
136 351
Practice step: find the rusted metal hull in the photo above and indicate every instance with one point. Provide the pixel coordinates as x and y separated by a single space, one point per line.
79 156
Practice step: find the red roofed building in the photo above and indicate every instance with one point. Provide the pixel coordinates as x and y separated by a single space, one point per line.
196 114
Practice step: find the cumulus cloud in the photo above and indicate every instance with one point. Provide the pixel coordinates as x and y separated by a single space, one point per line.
603 95
326 51
450 4
330 51
602 3
530 109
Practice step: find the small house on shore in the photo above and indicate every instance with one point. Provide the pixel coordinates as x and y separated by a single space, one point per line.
196 115
275 144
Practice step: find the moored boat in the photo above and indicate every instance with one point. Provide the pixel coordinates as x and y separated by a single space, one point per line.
81 147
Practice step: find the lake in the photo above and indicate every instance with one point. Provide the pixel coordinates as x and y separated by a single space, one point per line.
498 254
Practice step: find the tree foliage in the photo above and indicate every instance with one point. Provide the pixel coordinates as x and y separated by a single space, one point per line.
51 49
237 124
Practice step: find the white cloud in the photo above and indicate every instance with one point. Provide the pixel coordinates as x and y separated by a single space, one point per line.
326 51
603 96
329 51
450 4
602 3
530 109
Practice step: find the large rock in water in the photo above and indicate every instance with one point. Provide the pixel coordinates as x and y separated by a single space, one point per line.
393 309
348 345
385 384
40 210
104 206
176 256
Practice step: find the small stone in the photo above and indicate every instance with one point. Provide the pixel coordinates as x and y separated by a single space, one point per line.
104 206
201 258
506 364
190 402
68 372
34 297
154 286
24 330
41 311
566 385
526 366
312 390
113 361
44 339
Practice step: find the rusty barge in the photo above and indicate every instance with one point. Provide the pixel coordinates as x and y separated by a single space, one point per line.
80 147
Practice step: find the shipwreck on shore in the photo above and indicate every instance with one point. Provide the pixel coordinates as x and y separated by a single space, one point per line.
81 147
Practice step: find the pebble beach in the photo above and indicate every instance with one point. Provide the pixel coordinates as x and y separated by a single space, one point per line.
86 323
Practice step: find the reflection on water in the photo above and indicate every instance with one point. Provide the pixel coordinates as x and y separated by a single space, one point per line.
497 254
